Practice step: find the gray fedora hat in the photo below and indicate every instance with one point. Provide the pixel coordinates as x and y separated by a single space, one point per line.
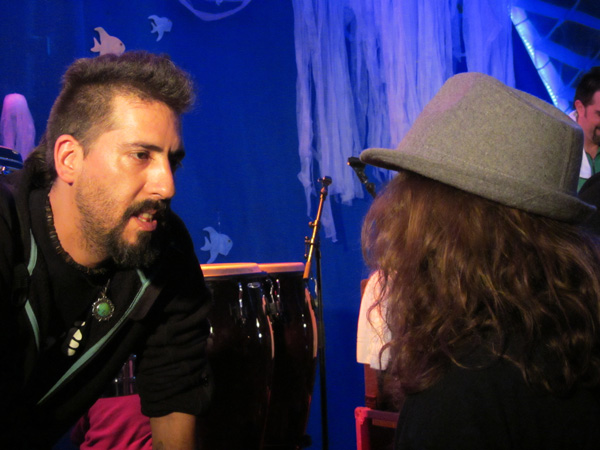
484 137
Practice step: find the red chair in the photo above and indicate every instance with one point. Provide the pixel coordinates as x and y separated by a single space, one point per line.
375 423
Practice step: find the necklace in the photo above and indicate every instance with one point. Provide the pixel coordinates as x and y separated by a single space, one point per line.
103 309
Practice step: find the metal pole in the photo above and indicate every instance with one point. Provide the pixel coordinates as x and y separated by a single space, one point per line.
314 251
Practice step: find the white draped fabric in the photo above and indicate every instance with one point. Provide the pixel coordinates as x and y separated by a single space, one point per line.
487 28
366 68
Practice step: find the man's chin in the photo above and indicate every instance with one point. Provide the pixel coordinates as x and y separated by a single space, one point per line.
139 254
136 239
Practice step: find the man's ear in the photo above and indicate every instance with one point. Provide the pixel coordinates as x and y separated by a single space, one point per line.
68 155
579 108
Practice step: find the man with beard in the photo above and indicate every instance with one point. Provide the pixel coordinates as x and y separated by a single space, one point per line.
94 266
587 115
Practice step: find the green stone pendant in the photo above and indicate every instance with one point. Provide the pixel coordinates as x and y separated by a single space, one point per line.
103 308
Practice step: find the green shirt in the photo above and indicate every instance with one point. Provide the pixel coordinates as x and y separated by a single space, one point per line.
594 165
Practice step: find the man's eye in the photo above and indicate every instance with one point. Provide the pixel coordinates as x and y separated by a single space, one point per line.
142 155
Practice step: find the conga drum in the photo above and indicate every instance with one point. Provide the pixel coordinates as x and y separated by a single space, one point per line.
295 336
241 352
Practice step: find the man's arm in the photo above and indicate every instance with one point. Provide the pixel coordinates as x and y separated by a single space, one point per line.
175 431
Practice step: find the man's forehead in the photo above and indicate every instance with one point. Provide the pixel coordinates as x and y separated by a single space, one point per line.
131 99
595 100
121 102
114 122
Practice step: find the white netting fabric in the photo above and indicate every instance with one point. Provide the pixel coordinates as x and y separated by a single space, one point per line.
366 68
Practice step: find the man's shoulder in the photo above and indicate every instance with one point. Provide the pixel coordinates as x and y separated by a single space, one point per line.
8 188
14 188
178 236
8 183
177 253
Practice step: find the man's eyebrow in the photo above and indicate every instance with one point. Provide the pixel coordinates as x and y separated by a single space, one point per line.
177 153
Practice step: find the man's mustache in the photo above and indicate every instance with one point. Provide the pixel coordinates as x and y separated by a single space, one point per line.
160 208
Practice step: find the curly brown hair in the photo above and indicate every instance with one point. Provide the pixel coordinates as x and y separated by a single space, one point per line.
467 281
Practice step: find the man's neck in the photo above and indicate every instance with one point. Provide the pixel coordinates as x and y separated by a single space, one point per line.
65 217
591 149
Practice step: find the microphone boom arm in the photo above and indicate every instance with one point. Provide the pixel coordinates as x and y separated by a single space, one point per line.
359 168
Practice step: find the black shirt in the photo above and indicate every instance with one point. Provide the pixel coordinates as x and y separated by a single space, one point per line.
493 408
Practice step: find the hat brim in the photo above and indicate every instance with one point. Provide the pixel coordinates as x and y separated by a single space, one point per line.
494 185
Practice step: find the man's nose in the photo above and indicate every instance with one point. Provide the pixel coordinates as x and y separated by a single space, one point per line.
161 182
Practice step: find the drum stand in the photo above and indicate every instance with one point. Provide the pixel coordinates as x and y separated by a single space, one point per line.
314 251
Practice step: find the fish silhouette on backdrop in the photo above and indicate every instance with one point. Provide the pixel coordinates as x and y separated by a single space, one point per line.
160 25
108 44
216 243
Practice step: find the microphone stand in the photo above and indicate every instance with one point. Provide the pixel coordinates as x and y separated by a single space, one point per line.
359 169
314 251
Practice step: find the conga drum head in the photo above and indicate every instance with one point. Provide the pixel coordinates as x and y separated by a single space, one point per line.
282 267
229 269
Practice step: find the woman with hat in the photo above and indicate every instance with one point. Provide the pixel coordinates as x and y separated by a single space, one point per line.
491 286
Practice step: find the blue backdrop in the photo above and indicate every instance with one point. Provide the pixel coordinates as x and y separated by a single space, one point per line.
240 173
